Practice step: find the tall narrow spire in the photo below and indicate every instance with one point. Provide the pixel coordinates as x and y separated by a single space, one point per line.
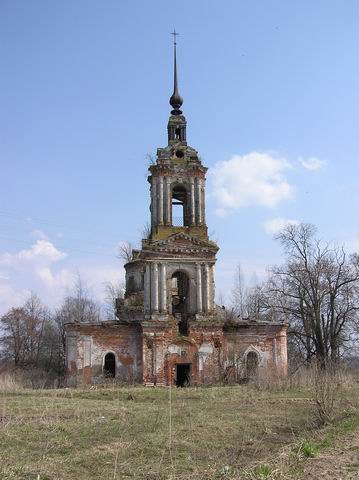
176 99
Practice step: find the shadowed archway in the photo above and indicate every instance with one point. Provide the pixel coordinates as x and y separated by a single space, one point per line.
252 365
109 366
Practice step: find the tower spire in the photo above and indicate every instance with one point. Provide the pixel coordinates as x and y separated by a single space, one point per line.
176 99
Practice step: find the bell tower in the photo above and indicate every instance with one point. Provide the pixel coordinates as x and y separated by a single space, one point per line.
177 179
170 288
178 226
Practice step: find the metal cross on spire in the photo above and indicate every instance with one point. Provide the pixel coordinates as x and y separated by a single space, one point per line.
175 34
176 99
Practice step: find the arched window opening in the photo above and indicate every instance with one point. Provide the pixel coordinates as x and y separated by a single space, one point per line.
179 206
109 367
252 364
179 293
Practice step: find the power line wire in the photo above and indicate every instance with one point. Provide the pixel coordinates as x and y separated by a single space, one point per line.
83 241
30 219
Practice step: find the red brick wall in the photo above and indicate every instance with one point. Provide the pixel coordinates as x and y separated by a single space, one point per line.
149 354
125 341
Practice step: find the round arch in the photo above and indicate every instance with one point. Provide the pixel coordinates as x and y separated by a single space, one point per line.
252 360
109 365
179 205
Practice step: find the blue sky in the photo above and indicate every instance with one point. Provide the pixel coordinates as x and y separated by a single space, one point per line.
272 102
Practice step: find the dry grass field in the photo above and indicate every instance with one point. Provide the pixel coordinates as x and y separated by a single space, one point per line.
239 432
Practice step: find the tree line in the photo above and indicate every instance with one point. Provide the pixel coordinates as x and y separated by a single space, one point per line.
32 337
315 290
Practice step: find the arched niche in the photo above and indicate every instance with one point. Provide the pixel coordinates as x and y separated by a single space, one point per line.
109 365
251 364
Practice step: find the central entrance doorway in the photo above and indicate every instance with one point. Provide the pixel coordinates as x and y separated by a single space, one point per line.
183 374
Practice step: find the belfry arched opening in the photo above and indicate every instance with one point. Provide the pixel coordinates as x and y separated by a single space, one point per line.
179 206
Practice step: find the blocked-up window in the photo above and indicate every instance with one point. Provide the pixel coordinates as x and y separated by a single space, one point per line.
87 352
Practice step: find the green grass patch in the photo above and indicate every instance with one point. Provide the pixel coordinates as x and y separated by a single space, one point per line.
309 449
124 433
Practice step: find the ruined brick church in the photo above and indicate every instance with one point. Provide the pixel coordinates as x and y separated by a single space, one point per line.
169 329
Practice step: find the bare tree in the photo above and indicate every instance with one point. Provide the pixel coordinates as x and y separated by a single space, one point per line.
150 159
36 314
124 251
316 290
78 306
29 336
251 301
239 294
13 340
113 291
146 230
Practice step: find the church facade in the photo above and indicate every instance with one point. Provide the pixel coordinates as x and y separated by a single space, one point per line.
169 329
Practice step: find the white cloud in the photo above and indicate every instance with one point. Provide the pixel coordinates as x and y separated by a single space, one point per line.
43 251
61 279
32 269
37 233
277 224
312 163
46 270
252 179
11 297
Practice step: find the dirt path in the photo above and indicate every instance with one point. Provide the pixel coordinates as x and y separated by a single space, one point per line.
339 463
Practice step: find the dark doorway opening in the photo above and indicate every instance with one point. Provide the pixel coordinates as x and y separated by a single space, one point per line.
183 375
109 368
252 364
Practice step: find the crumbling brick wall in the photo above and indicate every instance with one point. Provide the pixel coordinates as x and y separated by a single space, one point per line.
87 345
150 353
268 342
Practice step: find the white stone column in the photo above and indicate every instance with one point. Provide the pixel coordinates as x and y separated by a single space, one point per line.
165 201
163 303
212 288
160 200
193 203
169 201
154 288
199 202
147 288
154 201
199 288
205 289
203 202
